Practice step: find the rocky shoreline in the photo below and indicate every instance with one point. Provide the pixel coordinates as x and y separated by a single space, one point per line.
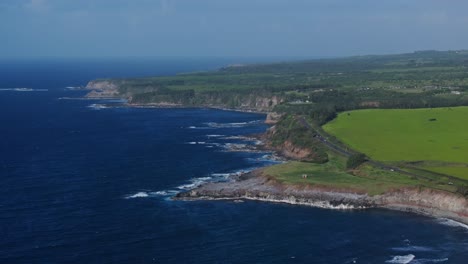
260 187
257 186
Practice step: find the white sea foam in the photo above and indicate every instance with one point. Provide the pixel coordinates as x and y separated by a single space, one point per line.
195 182
201 143
212 136
240 137
137 195
449 222
221 174
423 261
401 259
197 127
165 193
23 90
229 125
413 249
319 204
97 106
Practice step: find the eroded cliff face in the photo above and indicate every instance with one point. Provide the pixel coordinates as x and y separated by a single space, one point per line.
272 118
279 140
291 151
155 96
426 201
257 186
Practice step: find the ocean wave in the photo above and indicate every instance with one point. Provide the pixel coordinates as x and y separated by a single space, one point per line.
74 88
244 138
423 261
137 195
97 106
453 223
197 127
193 183
214 136
229 125
401 259
413 249
211 144
23 90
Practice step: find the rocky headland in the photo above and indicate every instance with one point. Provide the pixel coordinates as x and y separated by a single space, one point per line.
258 186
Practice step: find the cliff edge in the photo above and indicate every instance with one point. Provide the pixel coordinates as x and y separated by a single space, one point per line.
258 186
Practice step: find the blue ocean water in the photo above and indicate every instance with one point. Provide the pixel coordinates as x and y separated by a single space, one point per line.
86 185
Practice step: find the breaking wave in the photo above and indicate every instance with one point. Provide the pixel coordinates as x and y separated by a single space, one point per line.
423 261
401 259
227 125
192 183
23 90
413 249
137 195
449 222
97 106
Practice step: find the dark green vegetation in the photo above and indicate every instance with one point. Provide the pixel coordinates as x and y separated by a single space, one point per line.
317 87
290 130
316 91
355 160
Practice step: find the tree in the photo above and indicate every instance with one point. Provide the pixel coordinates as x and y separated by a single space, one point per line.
355 160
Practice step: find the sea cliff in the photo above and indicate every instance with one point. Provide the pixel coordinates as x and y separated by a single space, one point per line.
259 186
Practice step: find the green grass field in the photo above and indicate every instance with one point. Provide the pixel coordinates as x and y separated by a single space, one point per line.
367 179
459 172
405 135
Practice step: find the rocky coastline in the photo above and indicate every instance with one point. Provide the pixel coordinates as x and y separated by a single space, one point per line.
258 186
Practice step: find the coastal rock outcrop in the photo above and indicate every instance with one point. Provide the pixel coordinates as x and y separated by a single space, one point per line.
256 186
102 89
272 118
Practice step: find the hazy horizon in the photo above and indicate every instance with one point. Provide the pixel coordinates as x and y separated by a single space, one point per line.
218 29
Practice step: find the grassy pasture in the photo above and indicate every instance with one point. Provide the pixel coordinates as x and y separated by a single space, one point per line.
437 134
459 172
366 178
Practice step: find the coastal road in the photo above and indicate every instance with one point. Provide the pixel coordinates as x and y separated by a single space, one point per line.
347 153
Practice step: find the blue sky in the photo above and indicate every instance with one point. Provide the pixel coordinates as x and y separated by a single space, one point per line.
284 28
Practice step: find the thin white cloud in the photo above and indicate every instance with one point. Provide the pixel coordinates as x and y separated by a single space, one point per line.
37 5
166 7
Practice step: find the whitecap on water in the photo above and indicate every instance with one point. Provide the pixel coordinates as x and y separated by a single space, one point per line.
401 259
449 222
211 136
137 195
413 249
23 90
423 261
97 106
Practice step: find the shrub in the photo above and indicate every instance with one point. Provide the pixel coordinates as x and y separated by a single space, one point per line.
355 160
